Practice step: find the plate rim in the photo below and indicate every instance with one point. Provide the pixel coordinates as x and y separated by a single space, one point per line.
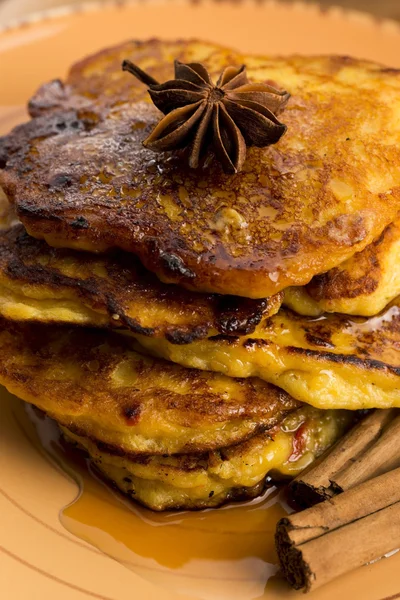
97 5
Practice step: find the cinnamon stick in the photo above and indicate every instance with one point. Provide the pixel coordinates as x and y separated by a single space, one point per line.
341 534
371 448
379 458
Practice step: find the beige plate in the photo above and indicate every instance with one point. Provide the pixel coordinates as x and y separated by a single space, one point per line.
49 552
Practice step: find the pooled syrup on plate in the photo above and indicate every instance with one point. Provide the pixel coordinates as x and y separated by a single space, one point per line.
224 554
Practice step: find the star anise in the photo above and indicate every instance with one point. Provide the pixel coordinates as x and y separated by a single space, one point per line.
230 115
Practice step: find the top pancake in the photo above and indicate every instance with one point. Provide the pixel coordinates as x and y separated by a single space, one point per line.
80 177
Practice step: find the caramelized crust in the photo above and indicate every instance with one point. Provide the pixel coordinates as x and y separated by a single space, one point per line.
79 176
53 285
95 384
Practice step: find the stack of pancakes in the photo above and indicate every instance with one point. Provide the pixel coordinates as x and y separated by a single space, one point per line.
198 333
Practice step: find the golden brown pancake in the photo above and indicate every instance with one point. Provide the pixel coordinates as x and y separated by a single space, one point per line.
40 283
362 285
53 285
239 472
80 177
94 383
330 362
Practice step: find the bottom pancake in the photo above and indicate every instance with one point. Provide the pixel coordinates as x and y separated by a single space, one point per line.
239 472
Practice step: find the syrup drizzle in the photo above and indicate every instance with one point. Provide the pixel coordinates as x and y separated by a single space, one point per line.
224 554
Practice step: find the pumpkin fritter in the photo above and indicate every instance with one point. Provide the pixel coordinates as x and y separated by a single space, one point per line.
80 177
239 472
363 285
40 283
330 362
92 382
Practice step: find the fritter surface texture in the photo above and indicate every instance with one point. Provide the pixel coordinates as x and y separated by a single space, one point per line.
80 177
332 361
96 385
